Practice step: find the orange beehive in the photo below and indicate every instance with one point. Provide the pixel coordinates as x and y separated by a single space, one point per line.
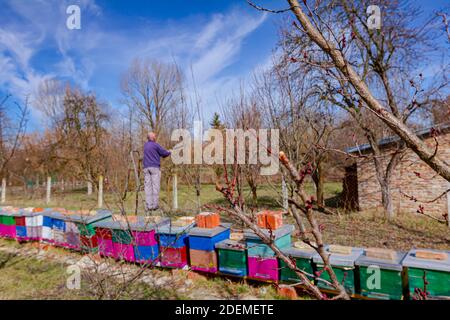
203 260
261 219
269 219
274 220
207 220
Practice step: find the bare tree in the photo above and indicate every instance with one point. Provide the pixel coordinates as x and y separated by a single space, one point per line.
332 53
152 89
13 124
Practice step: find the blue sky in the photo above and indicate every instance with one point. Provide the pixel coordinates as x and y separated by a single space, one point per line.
223 41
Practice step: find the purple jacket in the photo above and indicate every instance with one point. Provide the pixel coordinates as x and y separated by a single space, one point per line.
153 153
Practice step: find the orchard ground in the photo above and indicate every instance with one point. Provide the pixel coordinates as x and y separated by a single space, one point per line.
364 229
23 275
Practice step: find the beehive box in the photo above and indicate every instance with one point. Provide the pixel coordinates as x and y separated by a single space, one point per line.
205 261
72 236
270 219
206 239
124 252
148 255
435 272
343 266
8 223
82 237
174 257
232 257
207 220
389 286
129 238
257 248
263 268
303 259
104 240
174 236
173 241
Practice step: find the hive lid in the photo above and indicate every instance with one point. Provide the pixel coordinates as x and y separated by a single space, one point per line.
86 217
10 212
205 232
299 253
340 260
231 245
22 212
394 264
280 232
134 223
171 229
412 261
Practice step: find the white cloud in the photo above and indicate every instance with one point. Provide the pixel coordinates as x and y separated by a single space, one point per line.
101 50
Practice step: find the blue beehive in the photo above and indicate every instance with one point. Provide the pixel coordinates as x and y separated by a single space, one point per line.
59 224
146 253
21 231
257 248
173 236
206 239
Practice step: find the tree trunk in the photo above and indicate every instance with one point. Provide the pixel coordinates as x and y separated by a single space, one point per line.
319 182
254 195
426 153
386 199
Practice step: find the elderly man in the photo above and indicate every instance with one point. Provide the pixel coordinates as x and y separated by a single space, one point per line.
153 153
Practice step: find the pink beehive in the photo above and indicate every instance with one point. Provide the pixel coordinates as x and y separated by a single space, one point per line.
106 247
263 268
124 252
9 232
2 230
146 238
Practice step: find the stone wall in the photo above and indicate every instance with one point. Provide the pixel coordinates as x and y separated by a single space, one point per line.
412 177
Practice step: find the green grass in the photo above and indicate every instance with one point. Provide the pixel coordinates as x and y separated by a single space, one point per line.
28 278
269 196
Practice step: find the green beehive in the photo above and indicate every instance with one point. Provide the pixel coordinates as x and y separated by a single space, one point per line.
122 236
86 230
343 266
257 248
303 260
232 257
381 278
436 272
8 221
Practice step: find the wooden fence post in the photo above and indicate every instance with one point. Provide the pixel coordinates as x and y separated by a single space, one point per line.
3 190
284 192
89 187
175 192
49 190
100 192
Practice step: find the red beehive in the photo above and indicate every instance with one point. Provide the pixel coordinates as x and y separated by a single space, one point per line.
103 233
20 221
174 257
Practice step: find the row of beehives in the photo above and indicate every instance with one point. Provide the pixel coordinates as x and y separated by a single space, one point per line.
156 241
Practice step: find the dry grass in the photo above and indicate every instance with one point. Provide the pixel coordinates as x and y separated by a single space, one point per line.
371 229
